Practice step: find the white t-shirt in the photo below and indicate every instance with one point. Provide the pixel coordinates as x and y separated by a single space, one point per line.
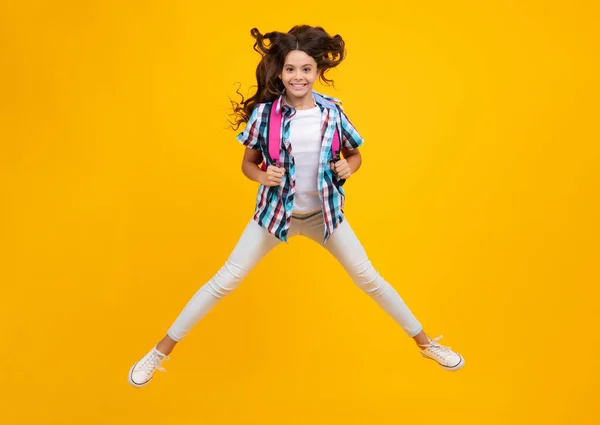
305 138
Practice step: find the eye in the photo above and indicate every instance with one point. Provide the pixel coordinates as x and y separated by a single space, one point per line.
289 69
306 69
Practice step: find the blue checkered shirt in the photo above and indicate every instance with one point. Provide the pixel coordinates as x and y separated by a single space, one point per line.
274 204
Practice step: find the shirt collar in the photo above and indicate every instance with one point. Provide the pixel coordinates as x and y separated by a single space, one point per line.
318 99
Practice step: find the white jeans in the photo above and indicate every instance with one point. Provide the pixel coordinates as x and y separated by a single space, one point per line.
256 242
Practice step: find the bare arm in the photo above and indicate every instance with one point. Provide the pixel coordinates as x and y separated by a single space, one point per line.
352 161
353 158
251 161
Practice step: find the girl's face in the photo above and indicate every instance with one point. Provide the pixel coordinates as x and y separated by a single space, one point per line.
299 74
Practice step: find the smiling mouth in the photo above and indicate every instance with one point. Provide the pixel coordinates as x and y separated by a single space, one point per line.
298 86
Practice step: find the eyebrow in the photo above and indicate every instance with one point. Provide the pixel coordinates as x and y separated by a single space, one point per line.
308 64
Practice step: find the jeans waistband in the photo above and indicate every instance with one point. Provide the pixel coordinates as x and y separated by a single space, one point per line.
305 216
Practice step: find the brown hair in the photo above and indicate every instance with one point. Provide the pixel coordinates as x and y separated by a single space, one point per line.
327 51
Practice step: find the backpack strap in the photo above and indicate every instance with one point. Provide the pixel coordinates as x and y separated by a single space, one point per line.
274 134
274 138
335 146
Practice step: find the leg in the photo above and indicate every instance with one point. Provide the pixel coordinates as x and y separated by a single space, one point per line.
252 246
347 249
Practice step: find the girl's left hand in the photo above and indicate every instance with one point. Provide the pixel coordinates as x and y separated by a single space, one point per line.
341 168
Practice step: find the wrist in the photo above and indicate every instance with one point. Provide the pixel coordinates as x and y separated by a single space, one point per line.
354 163
262 178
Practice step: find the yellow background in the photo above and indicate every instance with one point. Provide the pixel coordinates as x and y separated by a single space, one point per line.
122 194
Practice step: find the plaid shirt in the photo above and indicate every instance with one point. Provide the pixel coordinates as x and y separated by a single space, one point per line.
274 204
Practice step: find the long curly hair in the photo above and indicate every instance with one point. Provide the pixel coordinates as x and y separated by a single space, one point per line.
327 51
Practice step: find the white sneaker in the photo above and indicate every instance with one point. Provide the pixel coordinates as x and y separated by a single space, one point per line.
444 356
141 373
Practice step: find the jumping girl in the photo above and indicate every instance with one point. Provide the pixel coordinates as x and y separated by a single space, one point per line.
308 148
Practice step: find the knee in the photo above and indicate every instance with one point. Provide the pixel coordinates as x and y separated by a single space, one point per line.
226 280
366 277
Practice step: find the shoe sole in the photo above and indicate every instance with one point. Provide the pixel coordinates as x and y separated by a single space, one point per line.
458 366
130 379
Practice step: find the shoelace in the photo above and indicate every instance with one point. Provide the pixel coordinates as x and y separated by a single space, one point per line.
436 348
153 362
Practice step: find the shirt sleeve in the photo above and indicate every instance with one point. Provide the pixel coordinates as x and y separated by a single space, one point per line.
250 136
351 139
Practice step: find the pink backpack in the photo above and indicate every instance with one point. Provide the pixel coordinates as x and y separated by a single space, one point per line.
274 139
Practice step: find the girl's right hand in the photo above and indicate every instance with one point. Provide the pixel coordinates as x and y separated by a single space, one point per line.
273 176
